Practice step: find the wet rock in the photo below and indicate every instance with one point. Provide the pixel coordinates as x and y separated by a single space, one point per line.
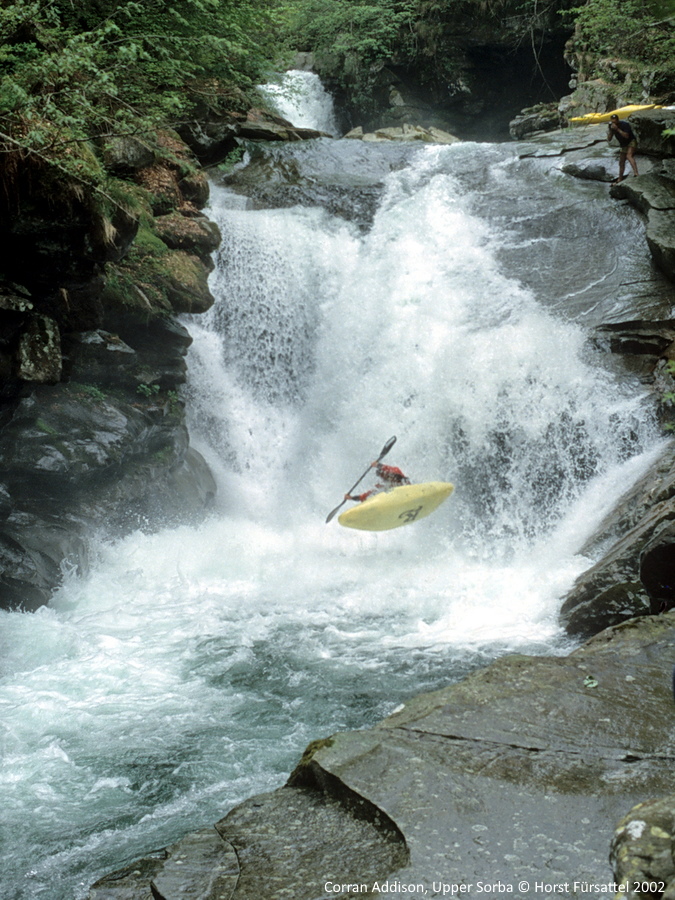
39 351
543 117
217 134
661 239
193 487
195 189
200 867
36 548
111 447
197 235
643 850
657 568
612 590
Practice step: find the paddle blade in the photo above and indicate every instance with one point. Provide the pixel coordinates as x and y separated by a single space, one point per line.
387 447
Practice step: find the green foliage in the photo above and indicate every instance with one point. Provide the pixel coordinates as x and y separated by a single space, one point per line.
632 30
351 38
72 73
92 391
147 390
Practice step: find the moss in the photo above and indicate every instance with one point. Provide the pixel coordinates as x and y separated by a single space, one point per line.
301 774
45 427
147 243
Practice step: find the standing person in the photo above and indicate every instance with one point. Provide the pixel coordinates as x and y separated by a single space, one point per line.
391 477
621 130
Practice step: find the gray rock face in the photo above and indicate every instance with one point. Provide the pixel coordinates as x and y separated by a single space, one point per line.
612 590
109 445
274 845
654 196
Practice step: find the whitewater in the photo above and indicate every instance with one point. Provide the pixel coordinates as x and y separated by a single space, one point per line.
189 669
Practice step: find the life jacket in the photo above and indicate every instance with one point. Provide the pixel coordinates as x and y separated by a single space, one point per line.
391 474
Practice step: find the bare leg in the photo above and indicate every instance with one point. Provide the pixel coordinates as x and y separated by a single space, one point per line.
630 155
622 164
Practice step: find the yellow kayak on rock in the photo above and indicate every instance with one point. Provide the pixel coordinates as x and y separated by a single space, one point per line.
622 113
400 506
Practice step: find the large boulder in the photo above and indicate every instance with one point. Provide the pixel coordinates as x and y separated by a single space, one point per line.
649 126
612 589
643 850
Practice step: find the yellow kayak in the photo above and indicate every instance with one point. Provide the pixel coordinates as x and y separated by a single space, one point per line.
400 506
622 113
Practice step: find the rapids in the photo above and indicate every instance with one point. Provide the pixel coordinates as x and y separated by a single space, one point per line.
191 667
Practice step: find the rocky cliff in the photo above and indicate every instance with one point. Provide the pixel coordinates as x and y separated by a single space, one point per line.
92 427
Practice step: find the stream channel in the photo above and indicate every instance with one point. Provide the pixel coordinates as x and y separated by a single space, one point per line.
441 293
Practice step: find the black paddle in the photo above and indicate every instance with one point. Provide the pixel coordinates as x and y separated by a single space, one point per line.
387 447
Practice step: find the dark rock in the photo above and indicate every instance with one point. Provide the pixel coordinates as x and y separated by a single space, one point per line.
69 433
39 351
611 590
195 189
99 357
649 126
123 155
211 140
5 502
591 170
193 486
638 338
657 568
661 239
219 134
35 550
544 117
196 235
110 239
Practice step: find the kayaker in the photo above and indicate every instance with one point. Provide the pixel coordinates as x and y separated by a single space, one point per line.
391 477
621 130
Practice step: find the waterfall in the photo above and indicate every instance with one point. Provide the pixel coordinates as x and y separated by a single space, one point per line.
192 666
300 97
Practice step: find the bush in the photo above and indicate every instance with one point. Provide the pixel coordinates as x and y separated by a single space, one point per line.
72 74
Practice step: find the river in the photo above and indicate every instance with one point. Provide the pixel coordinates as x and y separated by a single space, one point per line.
439 293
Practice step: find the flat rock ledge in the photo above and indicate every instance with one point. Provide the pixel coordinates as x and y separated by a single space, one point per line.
514 778
405 133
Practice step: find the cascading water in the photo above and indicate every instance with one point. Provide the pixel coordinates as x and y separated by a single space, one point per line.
190 669
301 98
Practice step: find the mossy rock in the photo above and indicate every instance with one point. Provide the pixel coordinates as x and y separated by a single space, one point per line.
195 234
